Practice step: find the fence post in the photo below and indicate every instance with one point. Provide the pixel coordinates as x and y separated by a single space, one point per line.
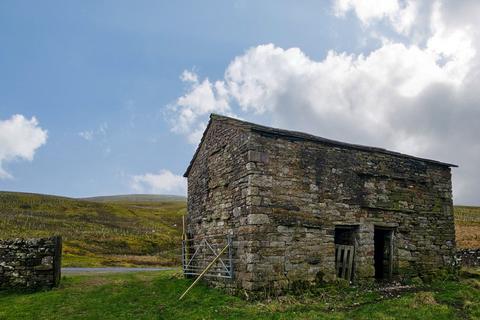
230 254
185 245
57 260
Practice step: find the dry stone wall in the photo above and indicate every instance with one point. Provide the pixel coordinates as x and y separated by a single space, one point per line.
30 263
469 257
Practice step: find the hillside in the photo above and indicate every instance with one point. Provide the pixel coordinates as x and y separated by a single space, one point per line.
130 230
136 198
98 233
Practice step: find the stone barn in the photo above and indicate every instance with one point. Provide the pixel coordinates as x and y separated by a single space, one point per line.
295 209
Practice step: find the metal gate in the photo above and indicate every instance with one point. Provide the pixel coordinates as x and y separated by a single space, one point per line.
344 256
198 253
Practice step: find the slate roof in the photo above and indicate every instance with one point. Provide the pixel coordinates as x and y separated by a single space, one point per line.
301 136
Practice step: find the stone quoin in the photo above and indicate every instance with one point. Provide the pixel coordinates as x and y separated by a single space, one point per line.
304 210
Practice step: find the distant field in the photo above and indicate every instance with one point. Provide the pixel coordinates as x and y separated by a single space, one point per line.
467 226
130 230
123 232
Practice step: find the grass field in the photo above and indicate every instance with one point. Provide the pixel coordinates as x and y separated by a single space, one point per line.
155 296
122 232
130 230
467 226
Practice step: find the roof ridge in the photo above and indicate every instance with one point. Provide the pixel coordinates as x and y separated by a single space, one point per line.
308 137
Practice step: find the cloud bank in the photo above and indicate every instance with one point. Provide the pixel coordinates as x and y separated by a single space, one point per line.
164 182
19 140
416 93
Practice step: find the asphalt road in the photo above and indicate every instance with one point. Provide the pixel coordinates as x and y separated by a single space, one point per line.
109 270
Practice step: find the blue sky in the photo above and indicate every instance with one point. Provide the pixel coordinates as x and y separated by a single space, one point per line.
78 65
103 80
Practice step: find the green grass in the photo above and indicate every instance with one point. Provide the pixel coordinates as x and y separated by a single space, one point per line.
155 296
123 232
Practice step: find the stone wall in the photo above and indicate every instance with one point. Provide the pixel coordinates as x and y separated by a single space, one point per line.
469 257
282 197
30 263
217 188
306 189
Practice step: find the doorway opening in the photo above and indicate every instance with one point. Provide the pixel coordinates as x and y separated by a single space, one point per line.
383 242
345 251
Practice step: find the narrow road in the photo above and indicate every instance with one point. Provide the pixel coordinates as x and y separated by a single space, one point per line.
109 270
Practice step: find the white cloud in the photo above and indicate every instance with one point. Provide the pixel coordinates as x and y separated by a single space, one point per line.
189 76
417 96
203 97
342 89
401 15
19 139
164 182
90 135
367 10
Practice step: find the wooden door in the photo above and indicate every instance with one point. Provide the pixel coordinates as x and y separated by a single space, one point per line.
344 257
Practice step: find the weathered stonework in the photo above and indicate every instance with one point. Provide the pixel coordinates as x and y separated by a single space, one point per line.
30 263
469 257
282 195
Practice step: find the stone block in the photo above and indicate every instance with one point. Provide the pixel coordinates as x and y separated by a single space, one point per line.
258 219
256 156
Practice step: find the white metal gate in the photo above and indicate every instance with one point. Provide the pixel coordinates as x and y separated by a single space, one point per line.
198 253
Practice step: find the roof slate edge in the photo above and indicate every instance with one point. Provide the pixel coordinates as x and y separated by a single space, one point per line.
185 175
307 137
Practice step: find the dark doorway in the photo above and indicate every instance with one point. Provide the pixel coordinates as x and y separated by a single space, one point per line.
383 240
345 235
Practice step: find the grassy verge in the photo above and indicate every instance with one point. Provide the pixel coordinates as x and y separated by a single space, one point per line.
155 296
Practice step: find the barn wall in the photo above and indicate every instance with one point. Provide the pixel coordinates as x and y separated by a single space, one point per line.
303 189
217 187
283 197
